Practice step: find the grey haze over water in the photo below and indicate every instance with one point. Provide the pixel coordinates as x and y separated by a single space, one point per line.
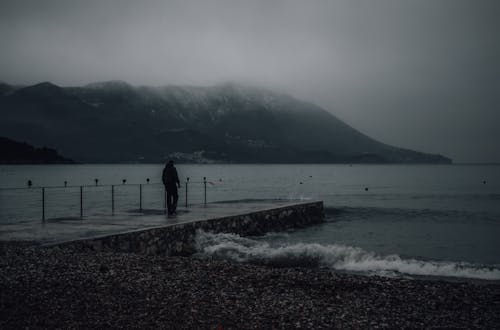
422 74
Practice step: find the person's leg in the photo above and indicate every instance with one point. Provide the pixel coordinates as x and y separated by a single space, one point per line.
169 201
175 197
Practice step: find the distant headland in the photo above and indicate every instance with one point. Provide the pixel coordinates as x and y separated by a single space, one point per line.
14 152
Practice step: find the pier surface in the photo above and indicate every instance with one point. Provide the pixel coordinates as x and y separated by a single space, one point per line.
54 231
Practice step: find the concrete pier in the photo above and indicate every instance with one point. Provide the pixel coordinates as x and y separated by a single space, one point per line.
155 233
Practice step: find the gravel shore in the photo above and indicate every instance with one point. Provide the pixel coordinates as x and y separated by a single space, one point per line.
60 288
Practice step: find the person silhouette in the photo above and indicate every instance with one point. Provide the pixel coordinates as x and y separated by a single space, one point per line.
171 182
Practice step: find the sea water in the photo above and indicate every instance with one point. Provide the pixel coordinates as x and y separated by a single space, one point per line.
395 220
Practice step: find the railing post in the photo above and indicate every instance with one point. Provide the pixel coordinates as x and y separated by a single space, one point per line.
187 182
140 197
112 200
205 190
43 204
81 202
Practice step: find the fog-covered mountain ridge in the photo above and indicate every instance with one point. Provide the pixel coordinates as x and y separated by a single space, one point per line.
114 121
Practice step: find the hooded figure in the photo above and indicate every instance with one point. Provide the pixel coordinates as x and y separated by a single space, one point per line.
171 181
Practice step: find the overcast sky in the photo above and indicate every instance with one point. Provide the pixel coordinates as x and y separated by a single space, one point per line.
419 74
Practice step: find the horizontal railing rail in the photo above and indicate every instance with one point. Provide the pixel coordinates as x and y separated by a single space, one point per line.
91 185
44 189
78 186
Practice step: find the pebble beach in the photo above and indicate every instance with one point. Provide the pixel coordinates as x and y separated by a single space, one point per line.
44 287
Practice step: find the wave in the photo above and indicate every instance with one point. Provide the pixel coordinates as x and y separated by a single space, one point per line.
333 256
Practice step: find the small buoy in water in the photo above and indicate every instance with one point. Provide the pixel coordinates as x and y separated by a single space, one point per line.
301 182
484 181
310 176
30 183
366 188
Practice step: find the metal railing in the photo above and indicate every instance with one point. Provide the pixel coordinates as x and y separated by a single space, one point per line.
112 188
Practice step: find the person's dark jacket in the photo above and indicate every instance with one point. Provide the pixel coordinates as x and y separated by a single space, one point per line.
170 178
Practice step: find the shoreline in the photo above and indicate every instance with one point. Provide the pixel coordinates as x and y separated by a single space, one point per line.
63 288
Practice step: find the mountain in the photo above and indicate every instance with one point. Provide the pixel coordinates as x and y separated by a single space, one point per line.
116 122
14 152
6 89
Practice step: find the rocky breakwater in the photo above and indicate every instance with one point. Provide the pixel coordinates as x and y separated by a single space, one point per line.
179 239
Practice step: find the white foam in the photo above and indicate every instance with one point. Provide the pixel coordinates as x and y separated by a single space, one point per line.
335 256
